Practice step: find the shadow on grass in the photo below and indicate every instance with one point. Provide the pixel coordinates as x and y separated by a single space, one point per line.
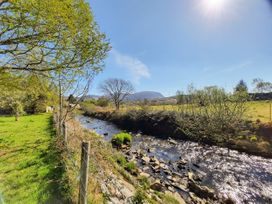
56 190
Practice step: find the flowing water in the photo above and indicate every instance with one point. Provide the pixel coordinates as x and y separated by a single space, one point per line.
244 178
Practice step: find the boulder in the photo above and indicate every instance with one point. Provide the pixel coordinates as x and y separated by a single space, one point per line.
145 160
157 186
201 191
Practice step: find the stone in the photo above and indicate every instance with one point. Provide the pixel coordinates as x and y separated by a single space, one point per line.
180 187
191 176
145 160
146 168
145 174
201 191
157 186
171 141
196 199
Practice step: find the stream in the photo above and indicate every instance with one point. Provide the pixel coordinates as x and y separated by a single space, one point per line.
243 178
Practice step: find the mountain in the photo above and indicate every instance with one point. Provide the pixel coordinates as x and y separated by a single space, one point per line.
140 96
92 97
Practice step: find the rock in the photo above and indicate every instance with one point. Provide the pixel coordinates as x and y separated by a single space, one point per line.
145 174
170 188
201 191
180 187
171 141
146 168
191 176
138 135
145 160
157 186
105 134
195 199
149 150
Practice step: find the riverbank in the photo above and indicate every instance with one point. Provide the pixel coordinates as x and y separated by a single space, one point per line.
241 177
165 124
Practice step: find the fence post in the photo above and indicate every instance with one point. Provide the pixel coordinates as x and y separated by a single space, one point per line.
64 132
84 172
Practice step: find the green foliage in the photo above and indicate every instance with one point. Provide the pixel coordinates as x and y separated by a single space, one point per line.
102 101
121 138
121 160
139 197
130 166
241 87
144 182
170 199
253 138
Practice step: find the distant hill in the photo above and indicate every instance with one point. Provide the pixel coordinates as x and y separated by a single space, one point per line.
91 97
140 96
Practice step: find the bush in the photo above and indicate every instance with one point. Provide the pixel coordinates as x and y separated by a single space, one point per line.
139 197
130 166
102 102
253 138
121 138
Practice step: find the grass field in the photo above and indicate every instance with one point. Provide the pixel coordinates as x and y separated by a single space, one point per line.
27 160
255 109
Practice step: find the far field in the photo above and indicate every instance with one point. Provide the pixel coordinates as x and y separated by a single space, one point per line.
255 109
28 163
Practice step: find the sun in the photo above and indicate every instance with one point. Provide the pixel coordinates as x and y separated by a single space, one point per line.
213 6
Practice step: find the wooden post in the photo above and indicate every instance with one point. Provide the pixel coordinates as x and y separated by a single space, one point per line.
64 132
84 172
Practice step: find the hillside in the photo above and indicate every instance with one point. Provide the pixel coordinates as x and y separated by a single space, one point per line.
149 95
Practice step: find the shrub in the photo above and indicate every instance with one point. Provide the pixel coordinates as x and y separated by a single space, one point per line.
253 138
121 138
139 197
130 166
102 102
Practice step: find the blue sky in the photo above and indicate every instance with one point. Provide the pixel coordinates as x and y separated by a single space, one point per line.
164 45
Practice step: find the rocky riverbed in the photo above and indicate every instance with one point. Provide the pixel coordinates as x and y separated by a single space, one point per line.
199 173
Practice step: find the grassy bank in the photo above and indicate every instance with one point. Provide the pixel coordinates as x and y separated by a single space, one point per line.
28 161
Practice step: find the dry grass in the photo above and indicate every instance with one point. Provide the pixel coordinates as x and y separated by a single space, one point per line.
255 109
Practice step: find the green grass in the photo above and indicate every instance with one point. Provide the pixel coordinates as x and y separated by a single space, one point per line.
28 164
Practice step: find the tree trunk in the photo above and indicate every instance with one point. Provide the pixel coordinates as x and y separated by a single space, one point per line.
16 116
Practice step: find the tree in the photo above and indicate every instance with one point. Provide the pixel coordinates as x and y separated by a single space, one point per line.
117 90
71 99
262 86
44 36
56 39
241 87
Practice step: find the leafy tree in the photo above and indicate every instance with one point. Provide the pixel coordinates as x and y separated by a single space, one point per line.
241 87
49 36
117 90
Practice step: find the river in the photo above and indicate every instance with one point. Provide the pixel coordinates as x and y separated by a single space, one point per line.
242 177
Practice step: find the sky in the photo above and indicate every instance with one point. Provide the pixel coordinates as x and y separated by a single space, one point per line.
165 45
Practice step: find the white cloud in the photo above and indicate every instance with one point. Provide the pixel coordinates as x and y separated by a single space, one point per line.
136 67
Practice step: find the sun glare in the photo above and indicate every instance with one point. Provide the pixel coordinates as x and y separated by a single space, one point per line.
213 6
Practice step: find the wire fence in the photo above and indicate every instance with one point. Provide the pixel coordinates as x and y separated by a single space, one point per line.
77 152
